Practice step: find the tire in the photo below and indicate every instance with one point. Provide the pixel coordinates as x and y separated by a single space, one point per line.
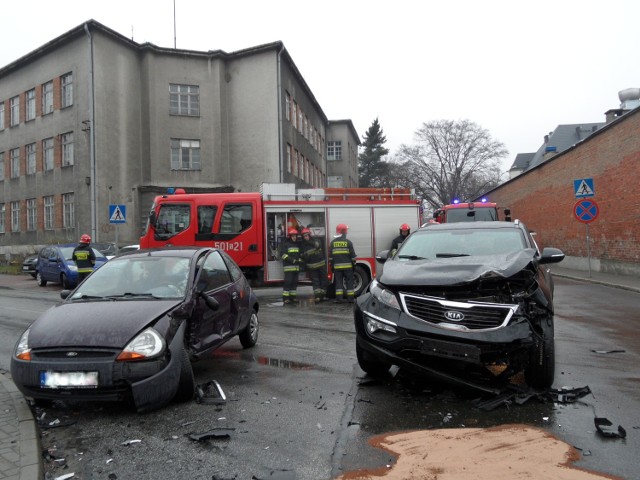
64 281
369 365
540 371
187 382
41 281
361 279
249 335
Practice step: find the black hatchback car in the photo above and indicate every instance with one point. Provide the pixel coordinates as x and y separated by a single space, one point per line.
467 302
132 328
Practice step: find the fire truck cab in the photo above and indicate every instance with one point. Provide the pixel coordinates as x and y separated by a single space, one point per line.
470 212
251 226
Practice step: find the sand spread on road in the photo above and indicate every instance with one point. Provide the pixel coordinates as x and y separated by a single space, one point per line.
507 452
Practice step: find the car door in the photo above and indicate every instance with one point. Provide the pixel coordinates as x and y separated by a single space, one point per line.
209 327
48 264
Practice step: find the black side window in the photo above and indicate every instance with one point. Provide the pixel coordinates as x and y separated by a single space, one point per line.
206 216
215 271
236 273
236 218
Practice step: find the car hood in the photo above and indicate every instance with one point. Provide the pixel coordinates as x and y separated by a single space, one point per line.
96 324
456 270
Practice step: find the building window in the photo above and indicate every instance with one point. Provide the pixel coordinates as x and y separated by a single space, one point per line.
288 159
294 115
30 112
68 212
301 167
47 98
184 100
334 150
32 214
185 154
300 120
1 115
48 212
66 92
3 212
15 111
14 153
47 154
287 105
15 216
31 158
67 149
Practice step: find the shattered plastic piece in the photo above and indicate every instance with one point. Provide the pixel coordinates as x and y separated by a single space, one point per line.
601 422
129 442
568 395
608 351
211 393
109 460
66 476
215 433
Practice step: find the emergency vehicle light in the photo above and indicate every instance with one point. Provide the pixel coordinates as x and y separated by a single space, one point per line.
456 201
483 199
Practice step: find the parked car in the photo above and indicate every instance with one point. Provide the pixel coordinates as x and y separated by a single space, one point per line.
29 265
130 331
108 249
56 265
128 248
462 301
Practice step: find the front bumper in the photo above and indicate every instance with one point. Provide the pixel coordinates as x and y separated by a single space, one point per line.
150 384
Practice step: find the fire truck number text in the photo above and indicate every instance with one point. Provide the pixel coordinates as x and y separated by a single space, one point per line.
228 246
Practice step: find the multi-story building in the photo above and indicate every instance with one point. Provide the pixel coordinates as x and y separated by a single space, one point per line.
93 119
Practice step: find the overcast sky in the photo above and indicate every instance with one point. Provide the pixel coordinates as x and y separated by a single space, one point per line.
518 69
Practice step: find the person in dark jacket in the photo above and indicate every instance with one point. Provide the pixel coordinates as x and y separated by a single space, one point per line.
290 254
316 264
84 257
405 230
342 257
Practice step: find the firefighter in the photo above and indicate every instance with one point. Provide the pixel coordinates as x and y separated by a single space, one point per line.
405 230
84 257
342 257
291 260
316 264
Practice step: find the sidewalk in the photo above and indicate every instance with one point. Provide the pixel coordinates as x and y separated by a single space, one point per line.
20 452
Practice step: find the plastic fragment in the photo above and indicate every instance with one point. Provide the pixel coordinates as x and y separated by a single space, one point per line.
129 442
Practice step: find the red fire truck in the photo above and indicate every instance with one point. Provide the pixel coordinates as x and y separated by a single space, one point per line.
470 212
250 226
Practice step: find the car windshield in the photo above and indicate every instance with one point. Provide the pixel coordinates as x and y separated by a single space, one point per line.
67 253
137 277
432 244
480 214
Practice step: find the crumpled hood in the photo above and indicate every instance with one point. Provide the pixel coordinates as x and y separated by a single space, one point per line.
96 324
454 271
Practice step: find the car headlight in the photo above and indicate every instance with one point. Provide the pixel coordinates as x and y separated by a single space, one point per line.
23 352
383 295
146 344
73 267
373 325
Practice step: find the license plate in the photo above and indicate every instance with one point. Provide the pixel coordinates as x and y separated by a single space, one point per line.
25 268
68 379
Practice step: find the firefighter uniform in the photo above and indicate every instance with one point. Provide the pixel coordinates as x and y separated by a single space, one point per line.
84 257
290 254
342 257
316 264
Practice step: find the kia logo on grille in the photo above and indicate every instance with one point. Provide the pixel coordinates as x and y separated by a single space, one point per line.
72 354
454 315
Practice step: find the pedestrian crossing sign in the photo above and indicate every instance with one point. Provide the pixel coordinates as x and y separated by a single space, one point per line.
117 213
583 187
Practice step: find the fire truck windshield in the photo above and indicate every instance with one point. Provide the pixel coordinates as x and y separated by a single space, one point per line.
172 218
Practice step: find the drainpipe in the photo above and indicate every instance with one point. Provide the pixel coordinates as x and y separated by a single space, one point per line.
92 137
280 139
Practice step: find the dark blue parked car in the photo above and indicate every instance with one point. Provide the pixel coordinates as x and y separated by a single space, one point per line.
55 265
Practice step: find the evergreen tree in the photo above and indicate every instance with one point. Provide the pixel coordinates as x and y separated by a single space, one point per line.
372 169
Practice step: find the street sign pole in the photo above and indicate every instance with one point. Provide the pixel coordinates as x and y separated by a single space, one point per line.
588 249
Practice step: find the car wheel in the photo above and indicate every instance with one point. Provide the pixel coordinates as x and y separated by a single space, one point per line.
41 281
540 371
369 364
64 281
249 335
187 382
33 274
360 279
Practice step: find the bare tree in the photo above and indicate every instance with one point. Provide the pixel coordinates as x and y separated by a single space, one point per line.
451 159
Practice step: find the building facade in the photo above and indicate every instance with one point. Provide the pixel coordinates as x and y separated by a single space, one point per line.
93 119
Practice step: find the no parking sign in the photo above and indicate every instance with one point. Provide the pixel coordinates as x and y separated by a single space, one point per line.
586 210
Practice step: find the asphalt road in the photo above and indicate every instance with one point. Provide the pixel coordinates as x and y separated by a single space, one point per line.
299 407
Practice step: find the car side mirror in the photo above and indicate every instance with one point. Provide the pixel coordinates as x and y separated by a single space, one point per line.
551 255
64 294
382 256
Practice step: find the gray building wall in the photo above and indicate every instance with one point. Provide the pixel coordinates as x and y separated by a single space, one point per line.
242 129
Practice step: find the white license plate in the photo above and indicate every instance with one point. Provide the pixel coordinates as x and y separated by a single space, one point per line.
68 379
25 268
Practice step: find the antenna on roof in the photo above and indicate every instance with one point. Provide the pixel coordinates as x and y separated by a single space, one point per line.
174 24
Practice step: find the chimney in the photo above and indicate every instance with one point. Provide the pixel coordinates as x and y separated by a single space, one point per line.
629 99
549 152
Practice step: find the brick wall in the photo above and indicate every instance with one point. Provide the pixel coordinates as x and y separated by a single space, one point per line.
544 197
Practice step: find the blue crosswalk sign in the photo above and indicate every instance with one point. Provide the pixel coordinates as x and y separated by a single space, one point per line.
117 213
583 187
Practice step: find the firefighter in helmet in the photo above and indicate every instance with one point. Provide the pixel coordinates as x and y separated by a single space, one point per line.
84 257
342 257
405 230
316 264
290 254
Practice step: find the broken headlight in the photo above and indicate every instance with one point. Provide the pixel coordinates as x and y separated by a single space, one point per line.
383 295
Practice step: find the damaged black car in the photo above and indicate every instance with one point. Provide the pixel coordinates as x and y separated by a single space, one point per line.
467 303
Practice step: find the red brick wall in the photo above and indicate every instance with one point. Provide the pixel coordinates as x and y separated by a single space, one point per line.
544 197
